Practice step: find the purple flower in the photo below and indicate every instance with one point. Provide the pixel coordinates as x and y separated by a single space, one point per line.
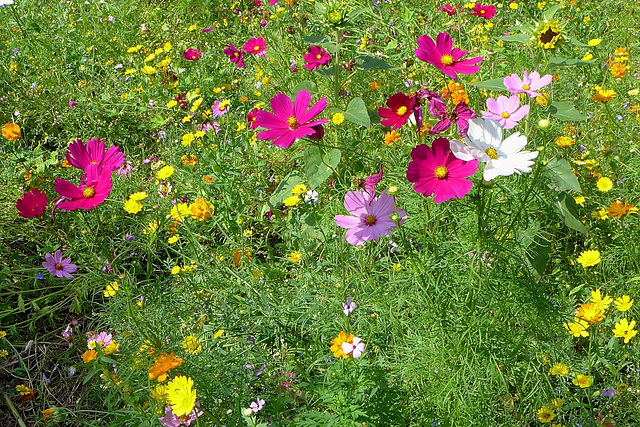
460 115
39 276
349 306
357 348
257 405
505 111
172 420
529 84
66 334
129 237
72 103
609 392
371 216
59 267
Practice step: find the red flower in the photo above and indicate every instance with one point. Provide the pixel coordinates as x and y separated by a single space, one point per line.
192 54
485 12
32 204
94 188
234 55
441 55
315 57
400 108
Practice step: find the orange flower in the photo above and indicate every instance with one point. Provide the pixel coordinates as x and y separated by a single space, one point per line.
617 208
11 131
89 356
201 209
336 348
208 179
619 70
237 256
591 312
163 364
47 413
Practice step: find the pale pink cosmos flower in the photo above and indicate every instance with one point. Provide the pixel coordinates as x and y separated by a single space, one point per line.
257 405
371 216
356 348
529 84
505 111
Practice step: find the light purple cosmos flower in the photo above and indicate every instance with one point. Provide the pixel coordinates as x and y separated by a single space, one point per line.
172 420
349 306
257 405
609 392
59 267
505 111
459 115
371 216
357 348
529 84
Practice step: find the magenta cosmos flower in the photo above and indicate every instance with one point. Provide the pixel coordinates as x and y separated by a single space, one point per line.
316 57
400 108
32 204
505 111
449 9
529 83
81 156
371 216
441 55
437 171
235 55
290 120
485 12
59 267
255 46
459 114
94 188
192 54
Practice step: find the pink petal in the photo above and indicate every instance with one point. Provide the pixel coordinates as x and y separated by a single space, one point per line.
444 43
303 99
282 106
346 221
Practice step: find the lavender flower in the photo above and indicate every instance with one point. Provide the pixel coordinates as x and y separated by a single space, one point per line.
349 306
257 405
59 267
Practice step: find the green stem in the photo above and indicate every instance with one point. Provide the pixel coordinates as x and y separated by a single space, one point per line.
336 70
613 119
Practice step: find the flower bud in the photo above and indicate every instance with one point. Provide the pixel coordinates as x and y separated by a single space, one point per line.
544 124
392 190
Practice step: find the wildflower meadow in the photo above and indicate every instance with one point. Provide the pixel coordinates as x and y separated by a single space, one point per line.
319 213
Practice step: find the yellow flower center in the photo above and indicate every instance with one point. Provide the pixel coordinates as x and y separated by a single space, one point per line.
446 59
401 111
441 172
236 54
88 192
94 162
293 123
370 220
505 115
58 266
492 153
482 12
526 87
256 48
318 56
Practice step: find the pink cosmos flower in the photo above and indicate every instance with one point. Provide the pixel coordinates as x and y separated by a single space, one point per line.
505 111
172 420
32 204
441 55
449 9
59 267
103 339
192 54
94 188
220 107
235 55
255 46
529 83
400 108
81 156
257 405
371 216
485 12
356 348
316 57
290 120
437 171
459 114
371 181
251 118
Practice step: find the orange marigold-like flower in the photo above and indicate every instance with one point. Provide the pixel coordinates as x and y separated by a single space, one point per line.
89 356
617 208
590 312
336 348
11 131
162 366
201 209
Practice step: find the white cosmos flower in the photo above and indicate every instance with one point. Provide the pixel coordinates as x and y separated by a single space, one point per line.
484 143
6 2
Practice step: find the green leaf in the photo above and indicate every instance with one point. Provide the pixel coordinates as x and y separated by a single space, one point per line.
568 212
157 121
392 45
94 371
538 255
565 111
305 85
520 38
318 166
493 84
558 61
549 13
315 39
106 359
357 12
366 63
559 171
357 113
576 42
284 189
